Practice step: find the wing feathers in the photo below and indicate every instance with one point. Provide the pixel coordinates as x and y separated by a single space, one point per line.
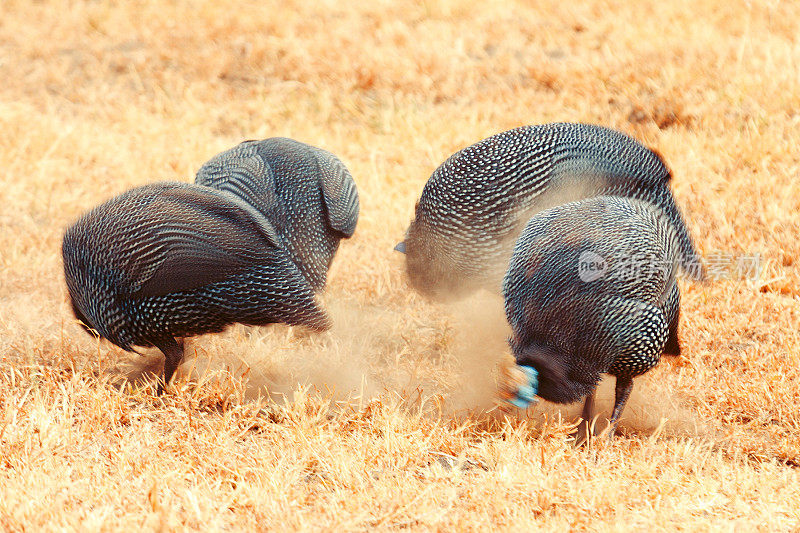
195 236
339 191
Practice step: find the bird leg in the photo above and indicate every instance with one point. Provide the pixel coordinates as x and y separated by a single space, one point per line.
584 429
622 392
173 354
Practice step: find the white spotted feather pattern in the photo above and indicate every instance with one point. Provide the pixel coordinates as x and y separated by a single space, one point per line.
618 323
173 260
474 206
305 192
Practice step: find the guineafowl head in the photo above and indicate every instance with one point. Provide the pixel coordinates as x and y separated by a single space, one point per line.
431 266
519 385
554 370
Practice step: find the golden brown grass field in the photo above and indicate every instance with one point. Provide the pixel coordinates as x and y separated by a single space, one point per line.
377 424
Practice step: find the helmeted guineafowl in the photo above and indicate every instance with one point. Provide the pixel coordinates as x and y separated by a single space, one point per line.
306 193
591 288
474 206
173 260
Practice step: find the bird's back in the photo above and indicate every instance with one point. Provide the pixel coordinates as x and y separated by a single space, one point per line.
307 193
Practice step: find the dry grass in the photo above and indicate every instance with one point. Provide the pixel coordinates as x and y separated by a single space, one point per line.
99 96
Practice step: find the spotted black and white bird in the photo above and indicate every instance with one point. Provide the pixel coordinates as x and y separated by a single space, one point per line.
306 193
172 260
591 288
474 206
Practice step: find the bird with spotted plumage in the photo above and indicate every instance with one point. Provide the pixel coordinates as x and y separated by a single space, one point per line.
306 193
476 203
591 288
171 260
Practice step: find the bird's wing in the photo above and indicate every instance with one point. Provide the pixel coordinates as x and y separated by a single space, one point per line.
191 237
339 192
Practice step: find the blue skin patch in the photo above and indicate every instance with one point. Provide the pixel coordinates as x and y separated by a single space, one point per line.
526 394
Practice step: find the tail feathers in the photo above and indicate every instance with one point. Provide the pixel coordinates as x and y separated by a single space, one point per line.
673 347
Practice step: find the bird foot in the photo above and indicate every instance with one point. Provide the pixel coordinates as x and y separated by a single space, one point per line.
518 385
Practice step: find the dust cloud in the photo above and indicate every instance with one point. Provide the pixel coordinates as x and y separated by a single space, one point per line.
373 351
480 348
